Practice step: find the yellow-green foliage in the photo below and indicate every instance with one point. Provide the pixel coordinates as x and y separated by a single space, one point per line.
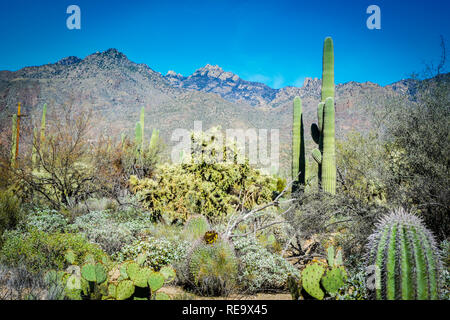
39 251
10 211
203 187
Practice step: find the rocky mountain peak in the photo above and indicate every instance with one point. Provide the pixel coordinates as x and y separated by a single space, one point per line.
111 54
69 61
173 74
214 71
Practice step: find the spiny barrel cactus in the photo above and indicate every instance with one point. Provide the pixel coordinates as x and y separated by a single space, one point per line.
298 145
406 259
195 227
213 268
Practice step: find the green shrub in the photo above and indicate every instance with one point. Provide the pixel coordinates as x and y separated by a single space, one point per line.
154 253
10 211
213 268
101 228
203 186
261 270
47 220
39 251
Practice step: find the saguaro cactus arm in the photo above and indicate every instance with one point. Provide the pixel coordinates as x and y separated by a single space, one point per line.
328 69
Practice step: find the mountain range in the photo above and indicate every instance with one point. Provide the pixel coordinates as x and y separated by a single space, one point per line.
115 89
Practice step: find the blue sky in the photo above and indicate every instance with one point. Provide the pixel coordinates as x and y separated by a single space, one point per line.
275 42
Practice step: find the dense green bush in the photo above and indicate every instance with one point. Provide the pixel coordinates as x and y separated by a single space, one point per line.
260 269
39 251
345 220
47 220
203 186
99 227
213 268
417 142
10 211
153 252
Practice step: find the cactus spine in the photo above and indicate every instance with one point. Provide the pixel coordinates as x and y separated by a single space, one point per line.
298 144
324 131
405 257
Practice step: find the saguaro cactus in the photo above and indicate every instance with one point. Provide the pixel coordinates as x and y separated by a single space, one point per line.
154 139
34 150
142 118
406 259
328 69
328 153
44 112
13 140
298 145
323 132
138 137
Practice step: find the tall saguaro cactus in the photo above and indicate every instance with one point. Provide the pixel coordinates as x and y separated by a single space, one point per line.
406 259
138 137
154 139
324 131
328 153
44 113
13 140
298 145
142 119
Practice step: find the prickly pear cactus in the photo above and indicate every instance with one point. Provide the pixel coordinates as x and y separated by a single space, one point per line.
124 290
94 272
155 281
168 273
138 275
311 276
334 279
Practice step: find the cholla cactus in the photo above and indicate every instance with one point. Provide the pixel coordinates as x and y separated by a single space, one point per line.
406 259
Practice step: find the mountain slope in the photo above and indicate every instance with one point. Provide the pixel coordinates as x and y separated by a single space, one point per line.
115 89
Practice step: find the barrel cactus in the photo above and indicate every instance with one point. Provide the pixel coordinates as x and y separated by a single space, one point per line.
213 268
406 259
